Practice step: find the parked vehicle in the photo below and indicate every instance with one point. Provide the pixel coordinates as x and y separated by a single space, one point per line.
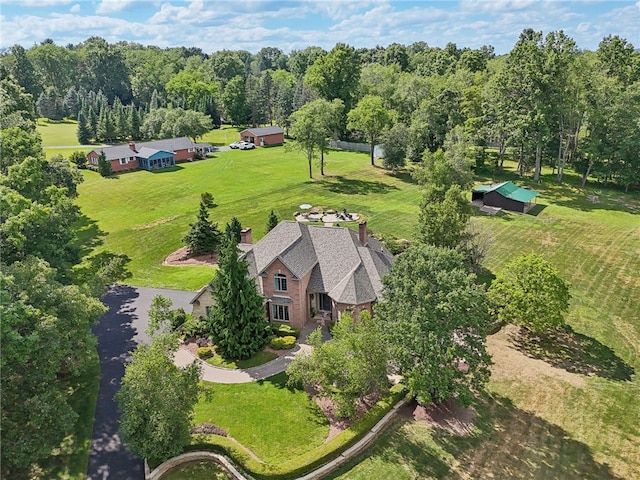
247 146
235 145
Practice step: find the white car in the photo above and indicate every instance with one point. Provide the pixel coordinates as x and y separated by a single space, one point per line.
247 146
237 144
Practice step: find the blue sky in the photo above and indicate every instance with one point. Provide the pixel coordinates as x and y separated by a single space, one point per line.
253 24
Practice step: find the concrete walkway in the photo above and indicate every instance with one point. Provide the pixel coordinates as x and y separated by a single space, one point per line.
184 357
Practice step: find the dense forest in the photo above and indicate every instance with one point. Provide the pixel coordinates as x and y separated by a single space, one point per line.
546 102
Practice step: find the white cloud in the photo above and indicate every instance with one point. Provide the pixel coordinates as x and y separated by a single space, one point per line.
113 6
75 8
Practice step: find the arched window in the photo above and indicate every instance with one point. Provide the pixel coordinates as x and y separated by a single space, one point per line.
281 282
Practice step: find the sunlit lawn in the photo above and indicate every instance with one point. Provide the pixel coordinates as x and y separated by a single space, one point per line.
570 412
543 418
200 470
275 422
147 214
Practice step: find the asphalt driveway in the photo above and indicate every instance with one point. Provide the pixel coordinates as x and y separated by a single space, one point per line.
119 331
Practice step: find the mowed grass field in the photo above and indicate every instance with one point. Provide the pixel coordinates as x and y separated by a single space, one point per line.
568 409
147 214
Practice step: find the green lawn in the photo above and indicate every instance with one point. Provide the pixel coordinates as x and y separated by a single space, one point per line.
222 136
259 358
275 422
57 133
200 470
567 409
147 214
545 413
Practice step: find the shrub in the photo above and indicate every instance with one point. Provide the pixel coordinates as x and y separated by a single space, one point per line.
205 352
193 326
284 330
283 343
178 318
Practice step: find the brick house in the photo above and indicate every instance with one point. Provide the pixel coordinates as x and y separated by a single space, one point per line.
263 136
309 272
149 155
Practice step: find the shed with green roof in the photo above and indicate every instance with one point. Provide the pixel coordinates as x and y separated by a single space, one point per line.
505 195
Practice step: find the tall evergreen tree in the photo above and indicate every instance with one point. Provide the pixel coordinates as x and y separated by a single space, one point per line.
84 131
236 227
104 165
272 221
203 236
237 320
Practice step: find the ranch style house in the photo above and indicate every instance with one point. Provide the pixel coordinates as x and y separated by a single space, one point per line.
149 155
309 272
263 136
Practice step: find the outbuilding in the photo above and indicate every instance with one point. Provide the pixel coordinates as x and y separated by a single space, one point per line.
263 136
506 195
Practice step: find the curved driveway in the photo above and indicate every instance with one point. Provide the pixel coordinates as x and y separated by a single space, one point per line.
119 331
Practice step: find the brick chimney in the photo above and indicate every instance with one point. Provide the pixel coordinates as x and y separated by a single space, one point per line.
132 146
362 233
245 235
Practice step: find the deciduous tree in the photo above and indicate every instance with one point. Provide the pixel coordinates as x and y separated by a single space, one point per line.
157 399
530 292
371 118
435 320
347 368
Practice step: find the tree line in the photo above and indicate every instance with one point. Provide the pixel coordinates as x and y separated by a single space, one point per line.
49 294
547 102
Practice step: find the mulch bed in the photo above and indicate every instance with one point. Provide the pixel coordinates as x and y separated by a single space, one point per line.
181 257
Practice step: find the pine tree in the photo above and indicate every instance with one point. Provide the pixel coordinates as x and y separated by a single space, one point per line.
84 131
106 126
154 103
272 221
92 120
203 236
235 227
104 166
238 325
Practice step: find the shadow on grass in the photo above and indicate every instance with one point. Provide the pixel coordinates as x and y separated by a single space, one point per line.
279 381
166 170
88 234
349 186
575 353
405 176
505 442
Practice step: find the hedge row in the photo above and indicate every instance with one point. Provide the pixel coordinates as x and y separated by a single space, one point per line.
309 461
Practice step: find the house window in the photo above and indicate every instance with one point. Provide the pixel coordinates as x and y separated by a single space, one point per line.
131 159
281 282
191 150
123 161
325 302
94 161
208 310
281 313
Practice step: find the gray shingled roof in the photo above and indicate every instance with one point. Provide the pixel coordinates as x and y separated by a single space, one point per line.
340 266
264 130
168 144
